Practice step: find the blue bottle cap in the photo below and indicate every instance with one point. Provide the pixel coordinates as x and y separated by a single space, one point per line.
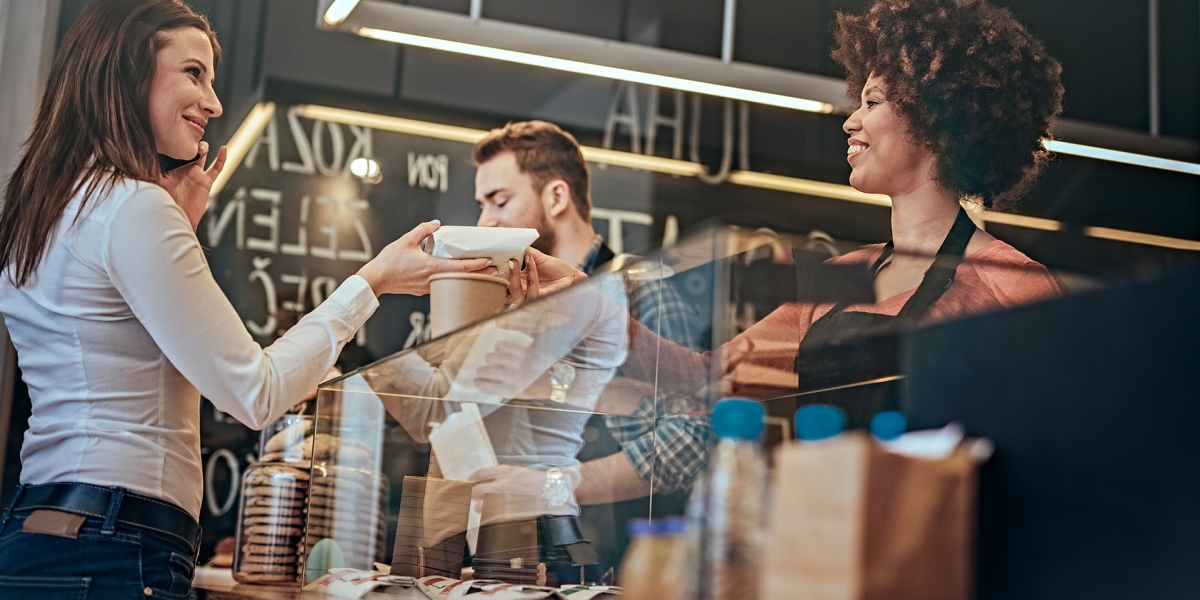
888 425
738 419
639 527
819 421
671 526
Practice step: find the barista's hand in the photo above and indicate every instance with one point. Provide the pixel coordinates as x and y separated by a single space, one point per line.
403 268
190 184
543 274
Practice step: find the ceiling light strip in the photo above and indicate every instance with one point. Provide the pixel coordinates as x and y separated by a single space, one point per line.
1134 237
388 123
641 161
769 181
470 136
796 185
583 68
1129 158
1022 221
339 10
241 142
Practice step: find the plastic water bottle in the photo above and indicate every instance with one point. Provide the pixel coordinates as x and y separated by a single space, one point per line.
733 505
655 563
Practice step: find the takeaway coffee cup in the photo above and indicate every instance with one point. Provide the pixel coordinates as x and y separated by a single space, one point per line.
459 299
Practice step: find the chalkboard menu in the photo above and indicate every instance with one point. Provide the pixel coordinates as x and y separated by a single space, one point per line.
294 221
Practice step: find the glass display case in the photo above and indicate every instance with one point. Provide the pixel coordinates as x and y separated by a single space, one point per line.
521 446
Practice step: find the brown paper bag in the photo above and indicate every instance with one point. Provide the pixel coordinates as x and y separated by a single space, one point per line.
431 531
853 522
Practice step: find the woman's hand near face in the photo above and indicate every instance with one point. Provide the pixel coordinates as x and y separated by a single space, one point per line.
403 268
190 184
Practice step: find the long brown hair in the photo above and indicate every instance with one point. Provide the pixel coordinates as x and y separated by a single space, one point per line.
93 124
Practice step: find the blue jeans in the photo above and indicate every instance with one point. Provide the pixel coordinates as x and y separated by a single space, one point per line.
109 560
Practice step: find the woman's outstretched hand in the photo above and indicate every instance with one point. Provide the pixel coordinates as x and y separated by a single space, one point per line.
190 184
543 274
403 268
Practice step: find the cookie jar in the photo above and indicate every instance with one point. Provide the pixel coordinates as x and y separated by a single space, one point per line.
348 495
288 439
271 524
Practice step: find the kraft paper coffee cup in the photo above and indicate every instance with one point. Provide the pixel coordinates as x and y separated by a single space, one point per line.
459 299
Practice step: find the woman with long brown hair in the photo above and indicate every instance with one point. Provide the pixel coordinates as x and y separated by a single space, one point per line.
118 323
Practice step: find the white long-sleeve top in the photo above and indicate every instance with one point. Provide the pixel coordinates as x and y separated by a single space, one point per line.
122 329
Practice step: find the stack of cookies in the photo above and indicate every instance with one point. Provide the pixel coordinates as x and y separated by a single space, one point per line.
271 527
283 446
309 487
346 506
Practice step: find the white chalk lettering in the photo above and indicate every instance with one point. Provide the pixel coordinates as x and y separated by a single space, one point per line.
361 148
429 171
300 248
322 287
331 230
260 273
301 283
338 143
306 165
270 137
365 254
217 225
269 220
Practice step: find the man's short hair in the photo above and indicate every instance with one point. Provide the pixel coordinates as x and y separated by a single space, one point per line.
544 152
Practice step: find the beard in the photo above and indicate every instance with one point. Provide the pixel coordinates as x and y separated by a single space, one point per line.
546 237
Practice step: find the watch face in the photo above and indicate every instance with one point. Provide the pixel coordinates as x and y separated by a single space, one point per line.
562 375
555 493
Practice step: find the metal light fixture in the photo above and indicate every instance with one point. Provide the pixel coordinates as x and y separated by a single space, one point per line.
241 142
586 55
1129 158
338 11
595 70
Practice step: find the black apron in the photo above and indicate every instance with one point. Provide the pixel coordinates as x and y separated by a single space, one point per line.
852 359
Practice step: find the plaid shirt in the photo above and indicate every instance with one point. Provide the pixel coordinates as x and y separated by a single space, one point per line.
668 451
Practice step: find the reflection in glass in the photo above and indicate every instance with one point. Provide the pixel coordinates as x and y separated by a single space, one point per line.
482 448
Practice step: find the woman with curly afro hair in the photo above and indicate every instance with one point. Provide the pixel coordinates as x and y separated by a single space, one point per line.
954 99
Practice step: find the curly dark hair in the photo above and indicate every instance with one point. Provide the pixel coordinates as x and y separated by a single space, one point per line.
976 88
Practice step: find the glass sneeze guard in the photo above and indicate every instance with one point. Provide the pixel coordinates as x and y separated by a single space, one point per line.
592 404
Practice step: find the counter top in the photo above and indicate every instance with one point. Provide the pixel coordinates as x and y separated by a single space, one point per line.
218 584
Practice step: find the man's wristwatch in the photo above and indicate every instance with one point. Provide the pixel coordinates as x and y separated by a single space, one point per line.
555 492
562 375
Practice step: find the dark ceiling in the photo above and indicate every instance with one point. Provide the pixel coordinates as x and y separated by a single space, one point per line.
1102 43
